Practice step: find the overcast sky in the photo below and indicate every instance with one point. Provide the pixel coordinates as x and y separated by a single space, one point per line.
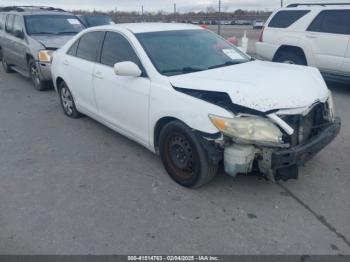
155 5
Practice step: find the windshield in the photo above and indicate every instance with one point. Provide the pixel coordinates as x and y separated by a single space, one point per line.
187 51
52 24
97 20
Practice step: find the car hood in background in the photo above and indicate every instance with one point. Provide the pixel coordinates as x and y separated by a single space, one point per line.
262 86
52 41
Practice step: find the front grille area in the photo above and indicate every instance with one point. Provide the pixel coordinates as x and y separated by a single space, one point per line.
308 126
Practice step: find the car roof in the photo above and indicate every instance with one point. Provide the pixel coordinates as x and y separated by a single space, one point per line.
37 12
317 6
151 27
33 10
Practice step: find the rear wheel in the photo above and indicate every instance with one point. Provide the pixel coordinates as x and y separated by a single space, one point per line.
34 71
67 101
184 157
291 57
5 65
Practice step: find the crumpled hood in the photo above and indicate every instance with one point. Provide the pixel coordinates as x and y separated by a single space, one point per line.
52 41
262 86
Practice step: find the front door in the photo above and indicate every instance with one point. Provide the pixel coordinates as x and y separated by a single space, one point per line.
122 101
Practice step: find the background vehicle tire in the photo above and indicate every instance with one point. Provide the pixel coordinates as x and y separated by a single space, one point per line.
6 67
290 57
67 101
183 156
39 84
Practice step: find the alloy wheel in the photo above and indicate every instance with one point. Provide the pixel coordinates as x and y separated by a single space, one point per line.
67 101
34 72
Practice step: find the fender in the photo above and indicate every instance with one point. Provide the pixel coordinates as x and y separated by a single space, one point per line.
301 43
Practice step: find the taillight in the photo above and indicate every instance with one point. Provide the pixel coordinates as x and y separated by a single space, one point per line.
261 37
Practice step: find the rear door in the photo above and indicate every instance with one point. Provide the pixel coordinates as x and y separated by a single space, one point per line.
346 65
329 38
79 66
8 52
19 43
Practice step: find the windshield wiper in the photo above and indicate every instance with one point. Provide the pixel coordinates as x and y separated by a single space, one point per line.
183 70
225 64
43 33
68 32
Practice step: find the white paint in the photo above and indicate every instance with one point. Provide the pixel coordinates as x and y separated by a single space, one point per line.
326 51
133 105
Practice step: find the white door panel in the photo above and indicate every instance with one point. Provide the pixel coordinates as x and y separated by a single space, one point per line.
79 74
346 64
329 50
123 101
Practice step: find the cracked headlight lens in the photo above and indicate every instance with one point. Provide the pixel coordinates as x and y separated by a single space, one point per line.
248 129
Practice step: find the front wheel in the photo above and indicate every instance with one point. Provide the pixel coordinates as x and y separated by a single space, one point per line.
184 157
34 71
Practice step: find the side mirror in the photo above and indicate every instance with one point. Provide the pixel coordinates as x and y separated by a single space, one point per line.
127 69
19 34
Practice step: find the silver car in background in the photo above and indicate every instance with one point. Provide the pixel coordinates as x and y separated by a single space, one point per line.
28 37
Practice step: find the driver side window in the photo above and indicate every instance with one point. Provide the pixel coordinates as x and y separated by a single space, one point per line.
17 24
117 49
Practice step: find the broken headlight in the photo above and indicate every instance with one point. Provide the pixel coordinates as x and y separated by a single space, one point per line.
249 129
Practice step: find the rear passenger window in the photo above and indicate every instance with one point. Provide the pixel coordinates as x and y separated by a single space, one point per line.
9 23
284 19
117 49
73 50
89 46
332 21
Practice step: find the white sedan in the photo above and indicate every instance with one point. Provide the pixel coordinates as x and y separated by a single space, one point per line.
189 95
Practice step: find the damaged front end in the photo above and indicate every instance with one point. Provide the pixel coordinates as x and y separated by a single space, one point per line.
272 144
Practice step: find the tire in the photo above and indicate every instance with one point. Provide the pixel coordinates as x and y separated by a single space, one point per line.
67 101
183 156
290 57
38 83
6 67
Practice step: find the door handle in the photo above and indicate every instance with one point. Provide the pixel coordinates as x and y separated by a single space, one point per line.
311 36
65 62
98 75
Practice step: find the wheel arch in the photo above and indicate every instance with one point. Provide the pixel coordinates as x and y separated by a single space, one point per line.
290 48
158 128
28 57
58 81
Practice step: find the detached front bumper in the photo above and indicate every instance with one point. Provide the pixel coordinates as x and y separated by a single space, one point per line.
285 162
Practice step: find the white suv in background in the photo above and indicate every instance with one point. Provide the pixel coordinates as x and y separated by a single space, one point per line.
309 34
